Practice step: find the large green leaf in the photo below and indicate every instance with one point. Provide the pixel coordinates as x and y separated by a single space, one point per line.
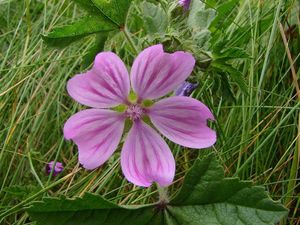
62 36
104 16
89 210
206 198
213 199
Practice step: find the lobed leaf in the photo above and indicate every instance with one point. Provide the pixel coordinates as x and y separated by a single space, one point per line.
104 16
113 10
88 25
206 198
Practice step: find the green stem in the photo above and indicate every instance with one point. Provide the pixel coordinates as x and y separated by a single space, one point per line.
163 194
130 41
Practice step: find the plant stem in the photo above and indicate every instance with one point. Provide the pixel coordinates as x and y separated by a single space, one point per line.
130 41
163 194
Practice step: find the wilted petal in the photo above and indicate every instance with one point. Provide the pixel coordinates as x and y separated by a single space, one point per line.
186 89
97 133
184 3
56 167
146 158
155 73
105 85
184 121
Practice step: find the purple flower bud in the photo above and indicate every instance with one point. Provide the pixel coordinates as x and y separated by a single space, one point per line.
186 89
184 3
58 168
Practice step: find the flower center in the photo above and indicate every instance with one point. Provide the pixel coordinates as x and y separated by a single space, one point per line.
134 112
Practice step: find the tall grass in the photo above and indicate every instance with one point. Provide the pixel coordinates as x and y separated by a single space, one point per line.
258 135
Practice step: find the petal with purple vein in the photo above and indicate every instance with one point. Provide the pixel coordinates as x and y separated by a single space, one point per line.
146 158
184 121
97 133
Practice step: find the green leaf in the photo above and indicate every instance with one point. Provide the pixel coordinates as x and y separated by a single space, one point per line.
65 35
95 49
206 198
21 191
155 18
104 16
232 53
223 11
226 88
114 10
89 210
202 39
213 199
199 17
235 75
88 6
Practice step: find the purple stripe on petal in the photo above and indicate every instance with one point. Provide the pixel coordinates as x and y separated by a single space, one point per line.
97 133
184 121
146 158
105 85
155 73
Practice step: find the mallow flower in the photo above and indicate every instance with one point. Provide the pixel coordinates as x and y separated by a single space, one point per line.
56 167
184 3
145 156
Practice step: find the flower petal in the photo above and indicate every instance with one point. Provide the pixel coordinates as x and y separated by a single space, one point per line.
97 133
105 85
184 121
146 158
155 73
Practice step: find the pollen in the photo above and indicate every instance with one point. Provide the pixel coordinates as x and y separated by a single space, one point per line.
135 112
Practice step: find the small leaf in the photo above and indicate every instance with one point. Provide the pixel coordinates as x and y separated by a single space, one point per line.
62 36
223 11
232 53
95 49
202 39
206 198
155 18
21 191
199 17
234 74
226 88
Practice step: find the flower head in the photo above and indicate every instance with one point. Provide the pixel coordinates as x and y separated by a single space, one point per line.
56 167
186 89
145 156
184 3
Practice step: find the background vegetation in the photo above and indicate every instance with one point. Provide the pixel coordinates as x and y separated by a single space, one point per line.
247 69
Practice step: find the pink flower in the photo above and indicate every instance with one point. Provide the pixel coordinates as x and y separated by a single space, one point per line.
184 3
56 167
145 157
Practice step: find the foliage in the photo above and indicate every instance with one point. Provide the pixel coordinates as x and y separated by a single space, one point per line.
206 197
